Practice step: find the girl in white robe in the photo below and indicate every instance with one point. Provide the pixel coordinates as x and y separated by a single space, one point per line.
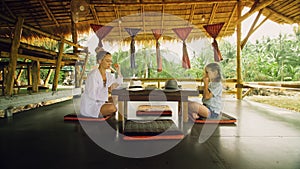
95 96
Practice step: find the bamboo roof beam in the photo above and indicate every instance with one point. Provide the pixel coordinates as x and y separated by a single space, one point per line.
117 15
7 8
261 23
192 13
48 12
230 18
41 32
213 13
54 54
97 3
143 18
290 21
257 8
251 30
34 58
94 13
289 5
162 17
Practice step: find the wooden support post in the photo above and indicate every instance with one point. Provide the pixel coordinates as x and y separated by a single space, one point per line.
48 77
238 53
21 71
35 76
251 31
247 92
29 77
58 64
121 110
184 111
77 76
14 56
83 67
75 50
19 74
3 70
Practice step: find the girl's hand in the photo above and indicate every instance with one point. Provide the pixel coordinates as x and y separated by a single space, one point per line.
117 66
205 80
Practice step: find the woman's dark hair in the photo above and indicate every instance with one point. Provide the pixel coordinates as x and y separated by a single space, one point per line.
215 67
100 55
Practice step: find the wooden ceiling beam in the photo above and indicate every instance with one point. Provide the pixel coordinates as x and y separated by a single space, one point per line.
257 8
35 58
192 13
230 19
99 3
289 5
94 13
251 30
290 21
117 15
41 32
261 23
213 13
7 8
48 12
162 17
143 18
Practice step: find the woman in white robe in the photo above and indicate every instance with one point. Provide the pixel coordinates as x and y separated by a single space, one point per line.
94 100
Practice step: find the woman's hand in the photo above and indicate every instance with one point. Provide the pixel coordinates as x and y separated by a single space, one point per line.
118 69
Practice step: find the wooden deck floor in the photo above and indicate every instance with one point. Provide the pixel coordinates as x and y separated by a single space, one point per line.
263 137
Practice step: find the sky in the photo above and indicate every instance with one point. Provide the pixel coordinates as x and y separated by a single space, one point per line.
268 29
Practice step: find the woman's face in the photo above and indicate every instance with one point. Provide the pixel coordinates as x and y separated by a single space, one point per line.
106 61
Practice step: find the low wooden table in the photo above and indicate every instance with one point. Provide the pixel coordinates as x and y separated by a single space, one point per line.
180 96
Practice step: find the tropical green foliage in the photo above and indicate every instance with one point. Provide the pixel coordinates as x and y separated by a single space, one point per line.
266 60
273 59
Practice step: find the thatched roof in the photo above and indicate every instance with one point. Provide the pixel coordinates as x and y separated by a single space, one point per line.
55 16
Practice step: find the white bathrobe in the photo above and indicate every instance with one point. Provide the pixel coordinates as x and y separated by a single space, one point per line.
95 93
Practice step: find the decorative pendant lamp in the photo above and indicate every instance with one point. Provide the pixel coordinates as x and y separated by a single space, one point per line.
157 34
213 30
101 32
132 32
183 33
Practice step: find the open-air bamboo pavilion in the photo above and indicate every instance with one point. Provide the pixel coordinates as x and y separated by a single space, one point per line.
23 22
262 137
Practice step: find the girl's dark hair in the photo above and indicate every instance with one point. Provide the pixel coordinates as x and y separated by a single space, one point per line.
100 55
215 67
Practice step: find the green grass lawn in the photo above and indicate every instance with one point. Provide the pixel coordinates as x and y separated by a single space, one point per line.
287 102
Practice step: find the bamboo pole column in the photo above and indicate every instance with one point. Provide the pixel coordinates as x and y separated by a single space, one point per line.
75 50
238 54
29 77
35 76
21 71
14 56
83 66
48 77
58 64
